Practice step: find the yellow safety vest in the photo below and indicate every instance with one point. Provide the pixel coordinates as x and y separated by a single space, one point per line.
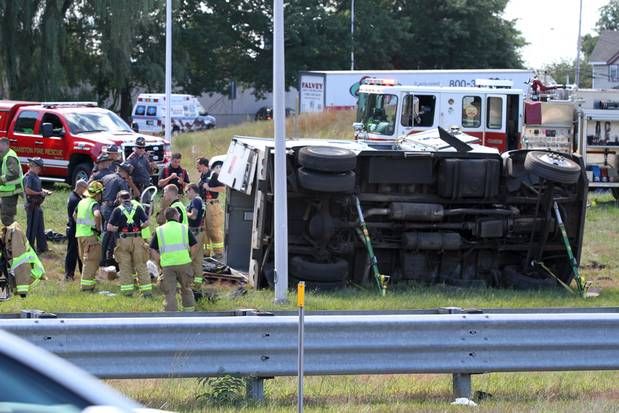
145 232
85 218
173 240
179 205
15 186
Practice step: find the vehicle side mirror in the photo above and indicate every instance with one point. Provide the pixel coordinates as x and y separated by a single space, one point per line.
135 127
47 129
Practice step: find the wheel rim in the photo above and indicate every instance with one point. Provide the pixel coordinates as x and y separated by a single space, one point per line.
555 159
81 174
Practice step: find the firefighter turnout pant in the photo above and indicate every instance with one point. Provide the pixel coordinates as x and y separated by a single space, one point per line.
183 275
214 226
197 257
8 209
131 254
90 251
23 261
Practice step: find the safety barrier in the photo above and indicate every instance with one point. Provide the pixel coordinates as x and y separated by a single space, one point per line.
261 346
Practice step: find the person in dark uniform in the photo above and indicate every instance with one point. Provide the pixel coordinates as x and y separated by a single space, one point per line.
112 185
128 220
205 175
195 217
72 257
174 173
141 165
35 194
113 152
103 167
214 219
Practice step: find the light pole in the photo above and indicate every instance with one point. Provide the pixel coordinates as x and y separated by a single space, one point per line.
352 34
578 47
281 191
168 69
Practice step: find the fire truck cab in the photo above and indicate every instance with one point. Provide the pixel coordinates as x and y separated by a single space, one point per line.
491 111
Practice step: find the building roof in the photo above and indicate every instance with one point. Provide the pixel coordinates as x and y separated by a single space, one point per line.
607 47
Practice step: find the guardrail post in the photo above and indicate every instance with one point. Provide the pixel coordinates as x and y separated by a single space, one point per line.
255 388
462 385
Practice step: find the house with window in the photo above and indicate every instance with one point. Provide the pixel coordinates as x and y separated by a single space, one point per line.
605 61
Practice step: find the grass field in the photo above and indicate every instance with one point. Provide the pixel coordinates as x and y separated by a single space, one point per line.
548 392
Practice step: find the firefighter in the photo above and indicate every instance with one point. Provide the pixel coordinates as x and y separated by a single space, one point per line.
172 245
214 219
88 232
103 167
195 216
11 186
171 197
72 257
23 261
129 220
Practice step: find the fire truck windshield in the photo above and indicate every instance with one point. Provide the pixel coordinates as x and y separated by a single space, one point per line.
82 122
377 112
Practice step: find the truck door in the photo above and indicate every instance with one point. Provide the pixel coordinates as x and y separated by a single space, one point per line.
418 113
22 137
512 120
54 151
495 123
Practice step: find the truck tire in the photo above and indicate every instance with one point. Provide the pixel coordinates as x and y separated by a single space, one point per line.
327 159
80 171
553 167
518 281
327 182
305 269
315 285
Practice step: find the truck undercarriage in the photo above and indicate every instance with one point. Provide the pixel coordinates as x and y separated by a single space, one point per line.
466 218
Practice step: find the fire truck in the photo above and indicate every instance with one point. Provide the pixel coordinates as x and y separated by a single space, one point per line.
491 111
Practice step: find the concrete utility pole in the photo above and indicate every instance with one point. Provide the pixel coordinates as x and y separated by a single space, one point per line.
352 34
281 191
168 70
578 47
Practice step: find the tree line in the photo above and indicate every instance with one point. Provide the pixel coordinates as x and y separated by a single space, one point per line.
103 49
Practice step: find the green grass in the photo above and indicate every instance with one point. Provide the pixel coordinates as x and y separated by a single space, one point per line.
513 392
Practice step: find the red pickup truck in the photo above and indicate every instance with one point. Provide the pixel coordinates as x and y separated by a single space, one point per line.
69 136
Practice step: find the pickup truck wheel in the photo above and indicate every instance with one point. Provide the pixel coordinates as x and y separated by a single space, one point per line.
552 166
327 182
327 159
306 269
81 171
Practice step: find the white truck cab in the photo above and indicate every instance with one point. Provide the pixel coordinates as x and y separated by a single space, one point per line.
491 112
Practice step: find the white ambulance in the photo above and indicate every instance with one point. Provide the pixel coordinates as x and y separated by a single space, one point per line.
187 114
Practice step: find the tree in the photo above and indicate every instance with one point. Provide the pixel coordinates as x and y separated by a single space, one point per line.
564 72
609 16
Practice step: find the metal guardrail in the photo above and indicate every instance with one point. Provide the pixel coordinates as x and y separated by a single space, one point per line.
265 346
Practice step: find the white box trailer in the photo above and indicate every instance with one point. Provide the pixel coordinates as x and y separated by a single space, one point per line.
335 90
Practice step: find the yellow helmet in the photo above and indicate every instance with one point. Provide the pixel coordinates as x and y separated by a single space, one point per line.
94 188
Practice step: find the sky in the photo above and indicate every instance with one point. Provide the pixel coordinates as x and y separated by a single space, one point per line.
551 27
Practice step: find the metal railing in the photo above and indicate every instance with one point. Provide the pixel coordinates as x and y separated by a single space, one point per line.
259 347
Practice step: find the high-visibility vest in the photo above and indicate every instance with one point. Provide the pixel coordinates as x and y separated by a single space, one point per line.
85 218
36 271
145 232
173 240
15 186
179 205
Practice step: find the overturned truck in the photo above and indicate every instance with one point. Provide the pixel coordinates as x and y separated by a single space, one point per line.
439 208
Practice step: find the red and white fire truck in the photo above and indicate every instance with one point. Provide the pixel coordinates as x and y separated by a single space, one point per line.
491 111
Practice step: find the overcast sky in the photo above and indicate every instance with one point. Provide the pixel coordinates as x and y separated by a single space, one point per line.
551 27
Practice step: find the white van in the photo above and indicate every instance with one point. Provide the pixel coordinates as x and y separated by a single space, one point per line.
187 114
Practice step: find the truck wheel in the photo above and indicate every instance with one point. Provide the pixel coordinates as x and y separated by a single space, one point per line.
327 182
81 171
518 281
327 159
552 166
306 269
315 285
